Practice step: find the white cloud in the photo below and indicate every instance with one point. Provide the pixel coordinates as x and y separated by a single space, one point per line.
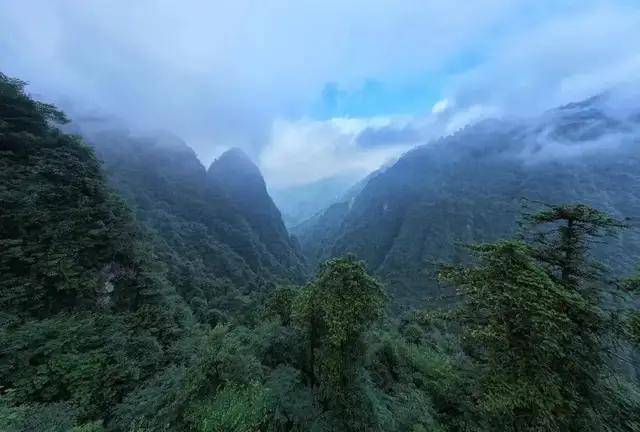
566 58
244 73
304 151
569 57
467 116
219 73
582 84
440 106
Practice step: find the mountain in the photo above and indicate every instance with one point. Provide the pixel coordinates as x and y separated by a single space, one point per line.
469 187
85 307
320 230
299 203
243 184
68 242
221 238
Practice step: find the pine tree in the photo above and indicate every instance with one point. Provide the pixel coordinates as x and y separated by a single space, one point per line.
515 329
533 322
563 236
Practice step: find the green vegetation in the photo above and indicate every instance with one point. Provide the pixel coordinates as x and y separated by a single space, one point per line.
219 255
86 314
190 313
469 187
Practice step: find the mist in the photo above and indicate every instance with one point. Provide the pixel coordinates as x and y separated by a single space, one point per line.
315 90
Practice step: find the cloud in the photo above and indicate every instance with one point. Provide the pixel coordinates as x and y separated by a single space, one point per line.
566 58
306 151
251 74
440 106
395 134
219 73
459 118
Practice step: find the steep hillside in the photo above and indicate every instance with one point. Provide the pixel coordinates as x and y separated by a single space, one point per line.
243 184
319 232
468 187
86 313
213 247
68 242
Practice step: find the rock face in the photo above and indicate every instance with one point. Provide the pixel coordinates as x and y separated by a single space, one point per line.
468 188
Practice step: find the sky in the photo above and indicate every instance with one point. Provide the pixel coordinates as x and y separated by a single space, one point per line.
315 89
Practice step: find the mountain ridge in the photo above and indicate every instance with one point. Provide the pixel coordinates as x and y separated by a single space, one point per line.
467 188
200 223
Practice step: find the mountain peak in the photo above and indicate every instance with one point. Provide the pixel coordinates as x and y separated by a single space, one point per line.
234 162
234 154
242 181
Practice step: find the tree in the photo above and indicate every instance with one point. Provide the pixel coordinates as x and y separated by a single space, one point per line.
279 302
632 286
563 235
514 327
533 323
68 243
336 311
86 314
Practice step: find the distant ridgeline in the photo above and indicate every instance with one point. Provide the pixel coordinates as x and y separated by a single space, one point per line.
468 187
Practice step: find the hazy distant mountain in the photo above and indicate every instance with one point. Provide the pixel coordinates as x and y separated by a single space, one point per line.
319 231
468 188
299 203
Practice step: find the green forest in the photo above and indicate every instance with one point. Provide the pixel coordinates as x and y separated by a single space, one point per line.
139 292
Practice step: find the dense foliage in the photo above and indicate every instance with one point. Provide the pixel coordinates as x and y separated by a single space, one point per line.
189 313
222 241
86 313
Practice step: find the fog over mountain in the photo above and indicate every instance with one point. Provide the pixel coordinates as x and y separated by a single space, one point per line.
469 187
312 91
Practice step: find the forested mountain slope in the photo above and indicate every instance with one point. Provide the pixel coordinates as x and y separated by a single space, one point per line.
86 314
216 250
242 182
468 187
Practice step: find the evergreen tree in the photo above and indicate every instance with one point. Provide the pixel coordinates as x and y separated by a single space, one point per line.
533 322
563 236
515 327
632 286
336 311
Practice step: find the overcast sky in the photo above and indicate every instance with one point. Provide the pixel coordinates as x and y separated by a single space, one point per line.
312 89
